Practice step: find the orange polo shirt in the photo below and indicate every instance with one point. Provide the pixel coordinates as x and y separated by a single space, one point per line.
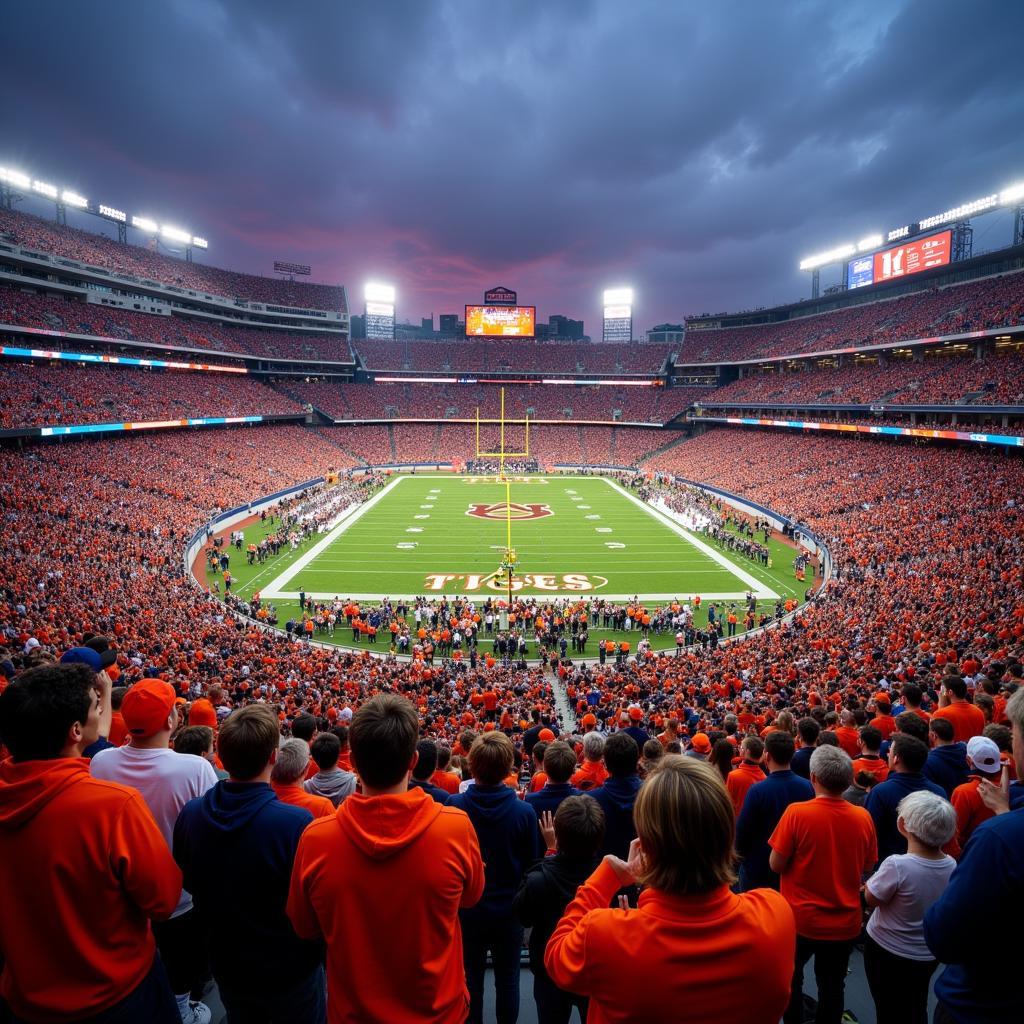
830 845
713 956
966 719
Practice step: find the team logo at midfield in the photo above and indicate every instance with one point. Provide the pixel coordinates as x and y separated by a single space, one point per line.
503 510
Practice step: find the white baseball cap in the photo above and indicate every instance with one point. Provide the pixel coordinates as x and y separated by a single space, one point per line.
984 754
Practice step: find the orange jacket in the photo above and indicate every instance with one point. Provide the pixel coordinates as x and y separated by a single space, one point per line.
717 956
318 806
389 873
84 869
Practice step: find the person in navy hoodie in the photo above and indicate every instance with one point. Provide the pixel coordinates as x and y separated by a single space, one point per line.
426 765
618 794
763 808
509 836
559 764
985 897
907 756
235 846
947 761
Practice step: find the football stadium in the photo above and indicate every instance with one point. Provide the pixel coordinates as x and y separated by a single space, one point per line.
639 664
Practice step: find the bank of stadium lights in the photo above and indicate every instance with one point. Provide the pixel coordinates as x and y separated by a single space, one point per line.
1013 194
618 296
373 292
897 233
960 212
21 182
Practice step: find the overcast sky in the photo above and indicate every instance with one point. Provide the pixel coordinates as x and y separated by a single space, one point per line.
694 151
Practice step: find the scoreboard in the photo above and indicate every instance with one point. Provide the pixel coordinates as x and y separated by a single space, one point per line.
901 260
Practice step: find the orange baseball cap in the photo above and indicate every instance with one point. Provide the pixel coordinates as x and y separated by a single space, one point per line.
701 743
146 707
545 736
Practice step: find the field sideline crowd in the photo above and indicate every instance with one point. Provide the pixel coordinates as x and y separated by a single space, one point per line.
686 810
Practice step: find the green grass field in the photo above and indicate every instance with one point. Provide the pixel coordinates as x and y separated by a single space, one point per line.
574 537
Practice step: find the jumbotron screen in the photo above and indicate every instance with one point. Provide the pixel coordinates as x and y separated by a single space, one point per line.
501 321
901 260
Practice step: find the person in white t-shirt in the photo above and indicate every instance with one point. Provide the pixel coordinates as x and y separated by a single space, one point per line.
167 781
897 960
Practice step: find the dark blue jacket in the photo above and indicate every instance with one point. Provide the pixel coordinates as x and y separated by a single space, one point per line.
509 843
235 846
436 793
882 802
801 763
550 796
947 766
985 897
763 807
616 798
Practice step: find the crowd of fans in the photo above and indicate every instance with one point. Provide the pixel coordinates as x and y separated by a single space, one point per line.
925 608
521 355
42 394
998 380
56 313
974 306
39 235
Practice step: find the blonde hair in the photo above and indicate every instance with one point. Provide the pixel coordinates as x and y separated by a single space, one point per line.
686 824
491 758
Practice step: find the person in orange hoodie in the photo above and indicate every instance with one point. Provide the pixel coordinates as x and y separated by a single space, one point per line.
287 775
691 944
85 867
391 862
747 773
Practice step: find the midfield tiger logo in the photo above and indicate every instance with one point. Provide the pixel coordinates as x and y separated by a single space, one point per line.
503 510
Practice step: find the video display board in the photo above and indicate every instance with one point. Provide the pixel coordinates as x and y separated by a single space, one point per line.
901 260
501 321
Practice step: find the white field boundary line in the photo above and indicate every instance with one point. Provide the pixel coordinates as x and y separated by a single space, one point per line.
477 596
354 515
757 588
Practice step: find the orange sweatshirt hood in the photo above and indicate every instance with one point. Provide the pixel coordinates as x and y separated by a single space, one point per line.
26 787
382 826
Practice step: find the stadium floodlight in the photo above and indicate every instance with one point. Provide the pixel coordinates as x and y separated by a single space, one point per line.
145 224
176 234
1013 194
200 243
960 212
618 296
113 213
15 178
823 259
374 292
73 199
871 242
44 188
897 233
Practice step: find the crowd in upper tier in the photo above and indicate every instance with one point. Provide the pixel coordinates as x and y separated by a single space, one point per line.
39 394
53 313
975 306
998 380
40 235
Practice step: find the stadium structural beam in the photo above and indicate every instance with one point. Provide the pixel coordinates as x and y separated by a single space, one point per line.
1018 225
963 241
122 232
816 282
61 214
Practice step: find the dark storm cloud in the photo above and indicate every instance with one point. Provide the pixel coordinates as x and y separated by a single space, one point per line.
696 151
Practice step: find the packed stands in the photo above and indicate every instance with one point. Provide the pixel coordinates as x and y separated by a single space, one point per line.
977 305
55 313
945 380
493 355
449 401
35 233
41 394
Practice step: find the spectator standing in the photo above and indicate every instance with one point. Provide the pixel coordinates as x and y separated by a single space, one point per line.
167 781
392 866
85 867
573 835
592 773
821 850
907 757
559 763
618 794
898 963
241 823
954 706
330 781
287 775
197 741
747 774
808 731
424 769
946 765
985 896
509 842
763 807
692 945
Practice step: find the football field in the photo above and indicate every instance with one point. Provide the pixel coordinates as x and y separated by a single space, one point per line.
573 537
